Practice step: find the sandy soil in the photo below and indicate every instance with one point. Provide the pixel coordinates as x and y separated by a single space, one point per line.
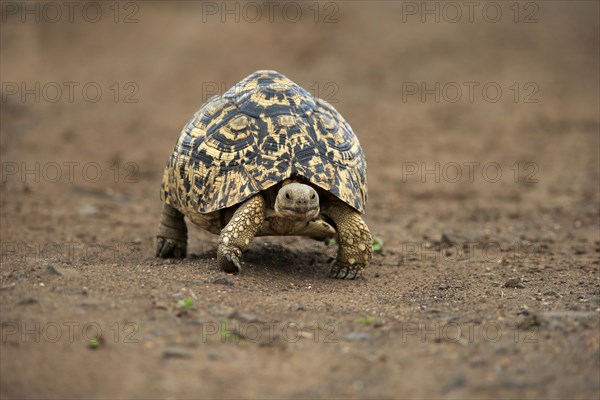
487 284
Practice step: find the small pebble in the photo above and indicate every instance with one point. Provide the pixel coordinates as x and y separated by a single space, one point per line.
514 283
222 279
176 352
27 300
357 335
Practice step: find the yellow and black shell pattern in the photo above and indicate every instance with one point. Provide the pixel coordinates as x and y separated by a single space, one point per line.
260 132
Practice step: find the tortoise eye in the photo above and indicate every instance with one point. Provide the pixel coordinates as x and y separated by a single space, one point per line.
312 196
287 195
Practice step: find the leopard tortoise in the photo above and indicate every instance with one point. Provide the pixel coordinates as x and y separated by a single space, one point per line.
267 158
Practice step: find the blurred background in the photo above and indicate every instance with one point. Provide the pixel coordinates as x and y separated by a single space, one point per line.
419 82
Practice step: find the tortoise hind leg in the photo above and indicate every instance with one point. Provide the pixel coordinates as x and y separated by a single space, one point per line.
171 239
355 243
239 232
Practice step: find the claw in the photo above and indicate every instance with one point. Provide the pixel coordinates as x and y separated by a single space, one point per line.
159 245
233 264
340 271
343 273
179 252
352 274
166 248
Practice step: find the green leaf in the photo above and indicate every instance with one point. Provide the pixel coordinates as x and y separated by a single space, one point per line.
186 303
366 320
377 244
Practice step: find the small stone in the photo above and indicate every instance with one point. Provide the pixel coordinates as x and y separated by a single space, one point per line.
159 306
88 210
222 279
198 321
176 352
27 301
10 286
514 283
244 317
455 383
477 361
357 335
446 240
52 271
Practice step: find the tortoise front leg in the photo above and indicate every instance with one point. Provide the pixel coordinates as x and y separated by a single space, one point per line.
171 239
355 243
239 232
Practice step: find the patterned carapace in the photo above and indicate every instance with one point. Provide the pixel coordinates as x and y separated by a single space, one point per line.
260 132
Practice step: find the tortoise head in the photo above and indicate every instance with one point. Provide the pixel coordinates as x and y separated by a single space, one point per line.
297 201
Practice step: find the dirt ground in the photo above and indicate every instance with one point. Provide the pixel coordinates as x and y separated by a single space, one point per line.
481 133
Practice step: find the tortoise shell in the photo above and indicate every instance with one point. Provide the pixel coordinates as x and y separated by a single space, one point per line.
262 131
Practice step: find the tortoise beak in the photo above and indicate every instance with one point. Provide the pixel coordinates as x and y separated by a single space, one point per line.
301 212
302 209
